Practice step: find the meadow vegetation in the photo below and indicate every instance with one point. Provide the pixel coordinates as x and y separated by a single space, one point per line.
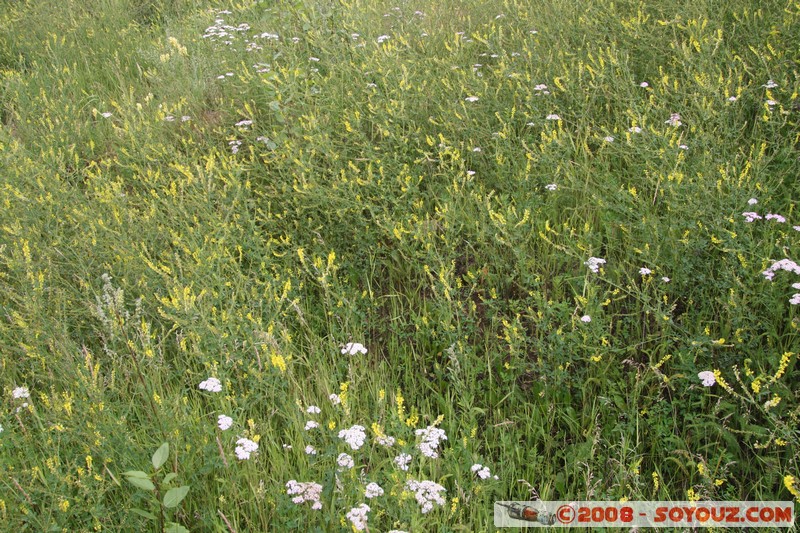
370 264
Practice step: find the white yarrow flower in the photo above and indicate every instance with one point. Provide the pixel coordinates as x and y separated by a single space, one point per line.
20 392
224 422
245 448
373 490
211 385
353 348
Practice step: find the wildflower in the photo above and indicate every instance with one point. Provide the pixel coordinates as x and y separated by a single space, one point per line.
771 103
305 492
373 490
481 471
186 118
635 129
732 99
431 437
586 319
20 392
224 422
335 399
169 118
476 149
287 446
770 84
777 218
551 186
345 461
470 172
311 425
358 516
674 120
644 85
310 450
683 147
750 216
235 146
315 59
784 264
211 385
552 116
385 440
383 38
355 436
796 228
426 493
471 98
665 279
243 123
644 271
1 428
106 114
752 201
313 409
245 448
609 139
352 348
789 482
594 263
707 377
402 461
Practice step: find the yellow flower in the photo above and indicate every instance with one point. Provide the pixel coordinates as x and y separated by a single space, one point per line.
63 505
692 496
789 482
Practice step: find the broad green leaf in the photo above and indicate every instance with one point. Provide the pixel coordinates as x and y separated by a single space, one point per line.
169 477
145 484
176 528
145 514
174 496
161 455
136 473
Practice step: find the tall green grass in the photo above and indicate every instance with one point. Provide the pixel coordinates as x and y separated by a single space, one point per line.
392 185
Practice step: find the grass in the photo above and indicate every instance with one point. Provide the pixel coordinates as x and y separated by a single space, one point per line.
185 197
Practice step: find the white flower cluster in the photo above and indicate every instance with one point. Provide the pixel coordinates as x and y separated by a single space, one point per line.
426 493
211 385
385 440
431 437
345 461
20 392
224 422
402 461
353 348
313 410
355 436
373 490
482 471
594 264
305 492
334 398
784 264
358 516
311 425
245 448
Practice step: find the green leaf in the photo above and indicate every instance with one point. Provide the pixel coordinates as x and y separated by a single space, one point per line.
136 473
145 514
169 477
175 496
161 455
145 484
176 528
